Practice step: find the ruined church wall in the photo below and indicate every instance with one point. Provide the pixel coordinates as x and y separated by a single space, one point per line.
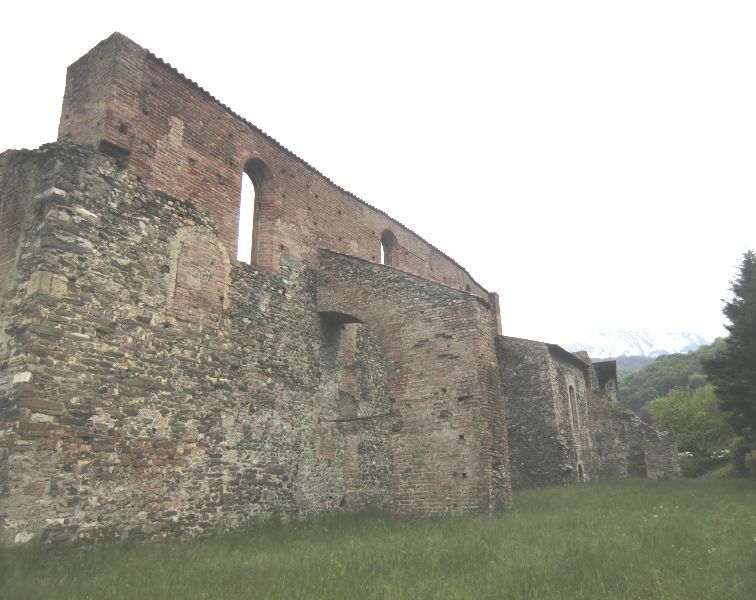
178 139
138 407
619 437
448 443
573 429
537 448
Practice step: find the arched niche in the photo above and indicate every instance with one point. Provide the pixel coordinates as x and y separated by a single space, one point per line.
200 276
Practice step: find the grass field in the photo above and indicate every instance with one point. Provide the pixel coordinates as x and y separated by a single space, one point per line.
690 539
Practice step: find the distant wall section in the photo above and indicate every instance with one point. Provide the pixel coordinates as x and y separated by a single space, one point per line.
547 413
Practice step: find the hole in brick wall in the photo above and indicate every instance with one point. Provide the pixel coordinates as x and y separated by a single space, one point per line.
464 475
246 219
256 189
443 390
467 287
123 128
121 155
464 398
461 437
388 248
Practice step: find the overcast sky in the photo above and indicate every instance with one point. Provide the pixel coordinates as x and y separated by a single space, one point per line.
593 162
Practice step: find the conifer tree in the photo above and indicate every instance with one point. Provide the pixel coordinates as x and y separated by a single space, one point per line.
733 370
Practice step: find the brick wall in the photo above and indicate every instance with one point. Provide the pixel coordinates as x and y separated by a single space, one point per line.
449 448
178 139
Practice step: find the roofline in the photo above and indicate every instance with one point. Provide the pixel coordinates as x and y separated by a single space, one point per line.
561 352
271 139
486 302
553 348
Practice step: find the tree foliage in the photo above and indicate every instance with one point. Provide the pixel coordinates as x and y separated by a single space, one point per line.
695 418
665 374
733 371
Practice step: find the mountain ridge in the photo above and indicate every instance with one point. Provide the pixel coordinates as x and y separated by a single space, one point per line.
611 344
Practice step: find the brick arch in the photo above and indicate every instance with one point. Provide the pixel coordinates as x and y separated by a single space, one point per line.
200 276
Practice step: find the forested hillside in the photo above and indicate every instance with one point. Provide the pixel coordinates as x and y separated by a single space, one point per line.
664 374
631 364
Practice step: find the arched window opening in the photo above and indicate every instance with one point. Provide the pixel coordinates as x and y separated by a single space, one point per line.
246 219
573 409
388 248
581 475
255 199
636 463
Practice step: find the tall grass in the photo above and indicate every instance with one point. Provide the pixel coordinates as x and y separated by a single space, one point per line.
629 539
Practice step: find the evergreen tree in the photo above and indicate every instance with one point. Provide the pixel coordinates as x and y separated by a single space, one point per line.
733 371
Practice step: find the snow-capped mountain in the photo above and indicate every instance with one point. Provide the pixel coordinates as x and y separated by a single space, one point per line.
610 344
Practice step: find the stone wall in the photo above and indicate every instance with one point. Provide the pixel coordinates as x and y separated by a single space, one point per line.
131 407
177 138
550 443
628 447
151 384
556 437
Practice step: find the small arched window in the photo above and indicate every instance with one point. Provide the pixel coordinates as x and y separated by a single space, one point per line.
256 185
573 408
246 219
388 248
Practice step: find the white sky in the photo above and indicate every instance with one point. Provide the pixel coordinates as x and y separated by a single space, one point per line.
593 162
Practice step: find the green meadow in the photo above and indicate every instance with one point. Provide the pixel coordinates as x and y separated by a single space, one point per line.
687 539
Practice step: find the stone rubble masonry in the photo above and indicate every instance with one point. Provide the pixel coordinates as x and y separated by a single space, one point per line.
122 413
548 444
152 385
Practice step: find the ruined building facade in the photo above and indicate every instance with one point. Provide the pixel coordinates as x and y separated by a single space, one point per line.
150 383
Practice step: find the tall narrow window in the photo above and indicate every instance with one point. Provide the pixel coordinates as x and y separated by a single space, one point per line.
573 409
246 219
388 248
258 211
